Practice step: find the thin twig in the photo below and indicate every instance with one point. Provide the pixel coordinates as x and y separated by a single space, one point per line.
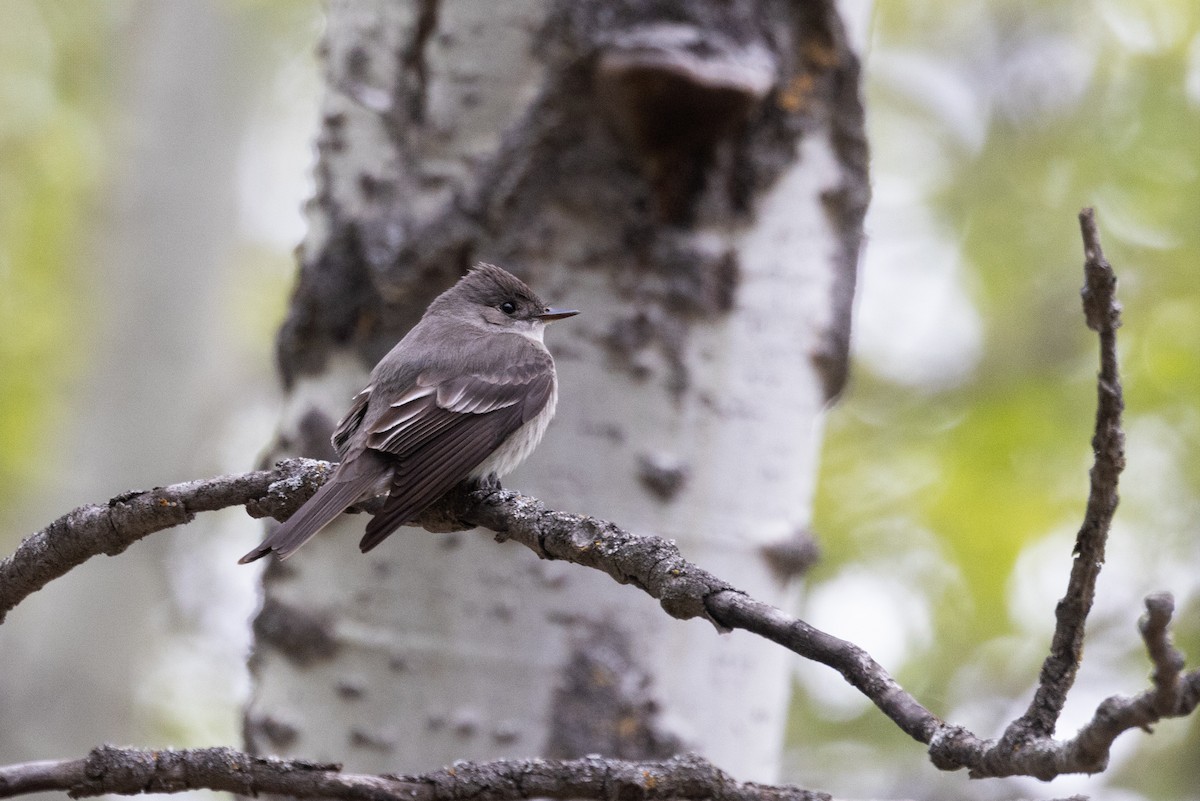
1103 315
1167 659
1173 695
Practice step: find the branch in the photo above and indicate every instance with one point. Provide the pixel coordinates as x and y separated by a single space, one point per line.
112 527
129 771
1173 695
1103 315
1027 746
657 567
685 591
654 565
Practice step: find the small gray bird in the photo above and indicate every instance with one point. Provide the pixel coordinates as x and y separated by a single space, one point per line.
466 394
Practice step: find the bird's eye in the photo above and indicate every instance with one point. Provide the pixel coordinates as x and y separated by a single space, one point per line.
508 307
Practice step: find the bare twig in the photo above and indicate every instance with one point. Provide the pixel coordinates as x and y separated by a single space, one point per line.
112 527
1028 747
128 771
1173 695
1103 315
656 567
1168 661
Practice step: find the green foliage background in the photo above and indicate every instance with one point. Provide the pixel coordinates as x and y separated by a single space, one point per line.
54 90
1078 104
64 94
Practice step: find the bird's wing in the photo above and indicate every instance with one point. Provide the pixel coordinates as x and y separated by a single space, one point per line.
350 422
447 425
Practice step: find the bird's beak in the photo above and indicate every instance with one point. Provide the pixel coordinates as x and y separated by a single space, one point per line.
556 314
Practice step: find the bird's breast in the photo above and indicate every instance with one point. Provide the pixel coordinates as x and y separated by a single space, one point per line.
519 444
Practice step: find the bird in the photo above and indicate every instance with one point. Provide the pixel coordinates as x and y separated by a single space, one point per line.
465 395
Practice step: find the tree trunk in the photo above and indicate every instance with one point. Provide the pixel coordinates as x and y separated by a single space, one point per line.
691 175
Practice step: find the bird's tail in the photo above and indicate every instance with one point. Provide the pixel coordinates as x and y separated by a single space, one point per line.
338 494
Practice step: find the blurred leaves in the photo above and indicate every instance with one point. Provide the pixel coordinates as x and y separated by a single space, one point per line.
992 123
53 89
66 72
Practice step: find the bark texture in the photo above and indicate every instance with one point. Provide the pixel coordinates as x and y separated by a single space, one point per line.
692 176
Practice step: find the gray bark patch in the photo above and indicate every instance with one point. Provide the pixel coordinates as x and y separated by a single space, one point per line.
606 704
302 637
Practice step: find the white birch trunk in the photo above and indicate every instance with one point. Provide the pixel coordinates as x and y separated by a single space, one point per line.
713 332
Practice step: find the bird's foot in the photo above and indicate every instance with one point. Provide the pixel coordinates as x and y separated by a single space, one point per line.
446 514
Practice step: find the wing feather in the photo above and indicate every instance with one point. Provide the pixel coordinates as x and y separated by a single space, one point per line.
431 471
456 430
351 421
